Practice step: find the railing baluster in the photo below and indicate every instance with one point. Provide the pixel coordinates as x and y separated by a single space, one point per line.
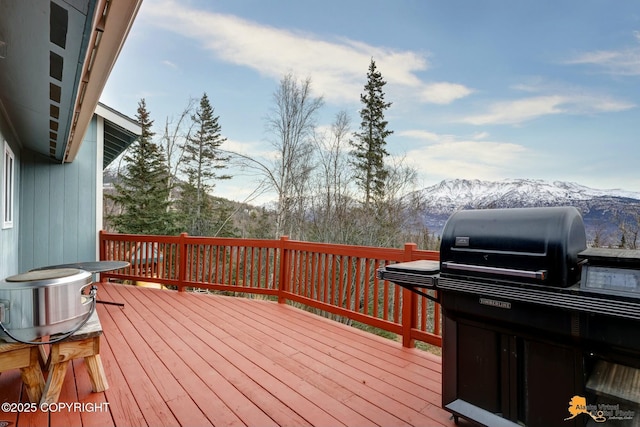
365 285
341 298
358 287
349 283
248 267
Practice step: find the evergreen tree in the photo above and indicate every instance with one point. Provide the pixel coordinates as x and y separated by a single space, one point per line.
222 221
192 213
260 224
202 162
142 193
369 144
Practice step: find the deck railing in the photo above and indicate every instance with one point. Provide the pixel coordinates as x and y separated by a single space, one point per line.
339 280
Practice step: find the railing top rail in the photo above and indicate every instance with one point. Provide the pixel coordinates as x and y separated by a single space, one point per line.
232 241
194 240
391 254
139 237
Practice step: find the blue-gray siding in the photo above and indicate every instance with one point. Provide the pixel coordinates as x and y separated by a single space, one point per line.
58 207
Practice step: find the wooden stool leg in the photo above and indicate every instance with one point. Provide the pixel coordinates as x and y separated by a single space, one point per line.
59 357
57 372
32 377
96 373
43 357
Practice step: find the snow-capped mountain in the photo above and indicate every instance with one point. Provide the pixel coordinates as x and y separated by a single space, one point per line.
600 208
450 195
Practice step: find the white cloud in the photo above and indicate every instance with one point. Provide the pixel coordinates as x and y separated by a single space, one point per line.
337 67
525 109
621 62
469 159
518 111
254 149
170 64
420 134
589 104
444 93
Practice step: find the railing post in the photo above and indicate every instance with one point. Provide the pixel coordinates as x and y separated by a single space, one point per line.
182 261
101 247
283 275
409 303
409 248
101 251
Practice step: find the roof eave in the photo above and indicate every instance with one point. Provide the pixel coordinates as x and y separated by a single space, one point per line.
111 25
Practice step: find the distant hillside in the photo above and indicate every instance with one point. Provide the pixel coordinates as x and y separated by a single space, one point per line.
602 210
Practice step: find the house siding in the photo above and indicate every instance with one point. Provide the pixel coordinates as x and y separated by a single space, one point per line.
9 236
58 207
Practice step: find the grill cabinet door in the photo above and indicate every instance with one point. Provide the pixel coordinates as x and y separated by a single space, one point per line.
479 367
551 379
514 375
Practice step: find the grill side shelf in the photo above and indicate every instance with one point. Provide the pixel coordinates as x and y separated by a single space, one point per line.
569 300
418 283
417 280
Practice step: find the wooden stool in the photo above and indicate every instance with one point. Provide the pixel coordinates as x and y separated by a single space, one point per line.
84 343
25 357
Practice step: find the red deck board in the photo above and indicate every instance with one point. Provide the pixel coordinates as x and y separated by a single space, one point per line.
277 354
184 409
324 337
198 377
10 388
291 393
96 410
334 334
256 397
191 359
119 395
154 409
300 364
259 352
315 352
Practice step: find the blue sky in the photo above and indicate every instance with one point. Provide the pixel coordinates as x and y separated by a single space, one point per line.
480 89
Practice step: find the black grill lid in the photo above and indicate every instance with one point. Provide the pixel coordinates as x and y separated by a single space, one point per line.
529 245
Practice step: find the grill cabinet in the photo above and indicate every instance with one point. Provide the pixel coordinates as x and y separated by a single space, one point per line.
522 332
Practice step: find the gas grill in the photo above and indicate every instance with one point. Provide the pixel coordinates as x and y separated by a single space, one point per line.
533 319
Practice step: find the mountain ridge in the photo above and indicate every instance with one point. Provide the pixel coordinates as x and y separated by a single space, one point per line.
603 210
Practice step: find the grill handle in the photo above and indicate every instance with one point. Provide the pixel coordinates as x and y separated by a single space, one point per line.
539 275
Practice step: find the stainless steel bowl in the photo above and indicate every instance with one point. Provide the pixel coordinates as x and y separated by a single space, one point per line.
46 302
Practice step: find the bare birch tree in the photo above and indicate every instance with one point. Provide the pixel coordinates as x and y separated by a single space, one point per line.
291 123
333 197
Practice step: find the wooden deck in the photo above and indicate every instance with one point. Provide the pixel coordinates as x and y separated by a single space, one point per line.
196 360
